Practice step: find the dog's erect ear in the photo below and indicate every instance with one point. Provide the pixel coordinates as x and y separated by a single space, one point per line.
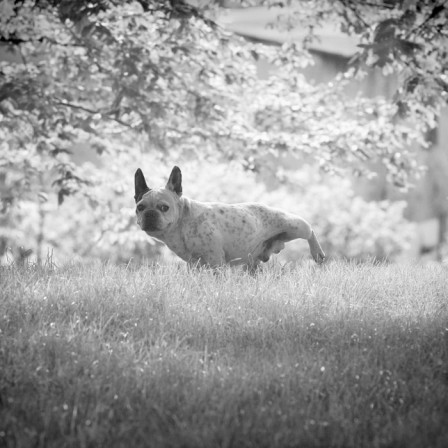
140 185
175 181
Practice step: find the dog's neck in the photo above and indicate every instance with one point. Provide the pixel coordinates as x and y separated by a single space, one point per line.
174 238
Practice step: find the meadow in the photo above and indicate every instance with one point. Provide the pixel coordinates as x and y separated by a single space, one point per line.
342 355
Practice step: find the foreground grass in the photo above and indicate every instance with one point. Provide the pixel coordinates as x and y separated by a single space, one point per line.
339 356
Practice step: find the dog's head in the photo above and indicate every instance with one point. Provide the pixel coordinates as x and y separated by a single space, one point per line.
158 209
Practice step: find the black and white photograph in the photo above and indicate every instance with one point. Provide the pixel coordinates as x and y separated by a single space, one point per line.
223 224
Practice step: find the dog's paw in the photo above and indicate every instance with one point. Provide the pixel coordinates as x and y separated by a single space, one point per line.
320 257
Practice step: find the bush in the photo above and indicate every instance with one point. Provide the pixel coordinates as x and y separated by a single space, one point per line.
105 228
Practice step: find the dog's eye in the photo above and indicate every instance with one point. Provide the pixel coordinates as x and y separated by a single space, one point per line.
140 207
163 208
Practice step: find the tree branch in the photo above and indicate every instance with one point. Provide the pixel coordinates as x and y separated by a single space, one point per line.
96 112
352 7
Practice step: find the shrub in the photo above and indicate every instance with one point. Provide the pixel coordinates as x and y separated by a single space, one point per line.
346 225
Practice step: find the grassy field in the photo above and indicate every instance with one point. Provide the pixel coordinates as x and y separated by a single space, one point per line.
339 356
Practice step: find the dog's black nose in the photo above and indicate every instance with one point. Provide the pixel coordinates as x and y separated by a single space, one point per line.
150 220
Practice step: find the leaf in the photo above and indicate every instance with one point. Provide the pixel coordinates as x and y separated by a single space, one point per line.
99 147
385 30
402 109
6 91
61 195
408 18
43 197
54 152
6 9
443 84
411 83
436 11
407 47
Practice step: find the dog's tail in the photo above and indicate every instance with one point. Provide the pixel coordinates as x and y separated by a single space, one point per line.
316 251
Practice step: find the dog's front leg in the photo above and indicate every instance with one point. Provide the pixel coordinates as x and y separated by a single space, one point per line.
211 258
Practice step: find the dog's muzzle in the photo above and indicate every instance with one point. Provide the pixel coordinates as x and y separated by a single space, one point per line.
150 221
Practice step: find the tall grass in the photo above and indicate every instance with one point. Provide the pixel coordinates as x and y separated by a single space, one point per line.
340 356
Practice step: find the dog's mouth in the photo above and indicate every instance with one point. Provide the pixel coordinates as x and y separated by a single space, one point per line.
150 228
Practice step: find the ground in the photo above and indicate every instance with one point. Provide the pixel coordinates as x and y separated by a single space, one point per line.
342 355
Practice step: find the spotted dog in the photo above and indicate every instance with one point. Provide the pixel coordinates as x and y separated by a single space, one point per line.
213 233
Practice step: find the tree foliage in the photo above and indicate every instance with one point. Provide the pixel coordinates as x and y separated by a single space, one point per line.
164 76
408 37
108 73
